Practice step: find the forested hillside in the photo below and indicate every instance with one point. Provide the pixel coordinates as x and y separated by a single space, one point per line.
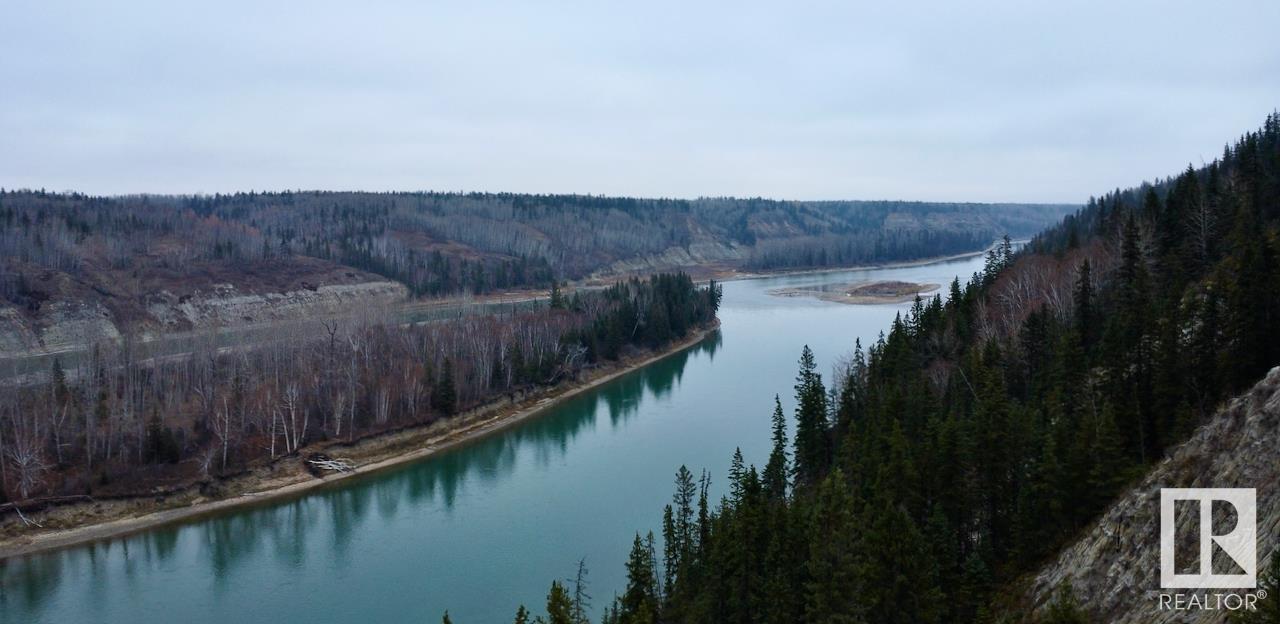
442 243
121 423
985 429
1113 566
76 270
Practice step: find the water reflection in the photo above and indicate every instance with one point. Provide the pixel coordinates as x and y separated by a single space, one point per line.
287 533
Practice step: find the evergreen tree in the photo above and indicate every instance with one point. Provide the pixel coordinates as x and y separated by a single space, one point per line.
639 602
1084 305
1128 347
813 452
1064 609
737 478
834 589
670 555
444 397
1109 466
776 470
1249 279
59 379
974 587
900 575
559 605
683 503
557 300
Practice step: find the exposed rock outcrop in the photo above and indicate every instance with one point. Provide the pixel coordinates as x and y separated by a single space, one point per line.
1114 568
227 306
695 254
62 326
16 335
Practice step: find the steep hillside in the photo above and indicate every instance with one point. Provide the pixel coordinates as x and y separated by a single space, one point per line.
1114 568
50 311
988 429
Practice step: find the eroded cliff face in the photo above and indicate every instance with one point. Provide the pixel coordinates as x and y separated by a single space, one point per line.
702 253
226 306
62 325
53 311
1114 568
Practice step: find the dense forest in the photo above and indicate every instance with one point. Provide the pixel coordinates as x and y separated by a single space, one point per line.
986 428
446 243
123 422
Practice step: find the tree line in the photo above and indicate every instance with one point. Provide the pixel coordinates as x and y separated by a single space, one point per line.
447 243
122 422
984 430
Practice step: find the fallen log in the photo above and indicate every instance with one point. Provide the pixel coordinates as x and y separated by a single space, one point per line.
41 502
319 463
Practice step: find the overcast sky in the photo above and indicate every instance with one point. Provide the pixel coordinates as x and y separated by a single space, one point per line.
928 100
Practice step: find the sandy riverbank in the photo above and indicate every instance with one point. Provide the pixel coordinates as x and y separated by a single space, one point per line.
861 293
82 522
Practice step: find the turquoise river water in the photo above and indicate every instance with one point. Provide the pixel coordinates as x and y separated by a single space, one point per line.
485 527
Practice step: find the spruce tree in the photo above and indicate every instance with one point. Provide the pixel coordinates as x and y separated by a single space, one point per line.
559 605
557 300
813 452
1064 609
670 554
1084 304
1128 347
639 601
776 470
683 504
899 579
59 378
444 397
834 589
737 477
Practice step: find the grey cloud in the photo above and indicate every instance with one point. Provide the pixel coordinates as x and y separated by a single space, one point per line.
985 101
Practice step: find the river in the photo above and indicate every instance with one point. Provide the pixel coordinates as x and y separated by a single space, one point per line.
485 527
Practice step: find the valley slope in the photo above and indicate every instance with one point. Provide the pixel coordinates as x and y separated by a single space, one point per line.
79 269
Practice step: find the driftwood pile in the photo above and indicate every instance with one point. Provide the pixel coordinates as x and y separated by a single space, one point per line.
319 464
